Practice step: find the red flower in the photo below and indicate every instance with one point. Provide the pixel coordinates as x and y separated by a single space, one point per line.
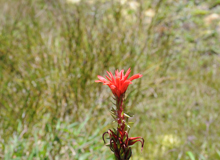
118 83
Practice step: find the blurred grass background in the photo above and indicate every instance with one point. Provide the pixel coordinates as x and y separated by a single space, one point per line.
51 52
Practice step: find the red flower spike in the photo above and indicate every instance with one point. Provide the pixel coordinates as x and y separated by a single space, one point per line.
118 83
119 142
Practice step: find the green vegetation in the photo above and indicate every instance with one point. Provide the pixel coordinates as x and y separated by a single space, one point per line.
52 51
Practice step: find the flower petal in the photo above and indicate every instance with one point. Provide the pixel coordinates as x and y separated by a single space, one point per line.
125 86
101 78
112 87
116 73
121 73
112 77
136 76
117 82
108 78
127 74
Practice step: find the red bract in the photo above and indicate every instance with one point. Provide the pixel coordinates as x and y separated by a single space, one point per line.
118 83
120 145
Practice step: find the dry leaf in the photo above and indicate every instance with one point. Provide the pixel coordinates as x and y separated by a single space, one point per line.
210 18
150 13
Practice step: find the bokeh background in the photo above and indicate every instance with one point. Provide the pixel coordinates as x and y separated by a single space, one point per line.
51 52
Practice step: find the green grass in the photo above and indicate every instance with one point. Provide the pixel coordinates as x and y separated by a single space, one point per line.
51 53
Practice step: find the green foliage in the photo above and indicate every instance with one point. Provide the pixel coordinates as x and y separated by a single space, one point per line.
52 51
190 154
64 141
